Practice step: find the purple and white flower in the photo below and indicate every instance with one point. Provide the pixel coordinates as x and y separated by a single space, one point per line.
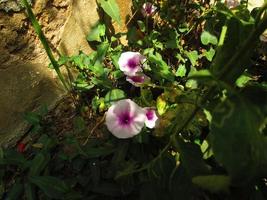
148 9
125 119
130 62
151 117
232 3
138 79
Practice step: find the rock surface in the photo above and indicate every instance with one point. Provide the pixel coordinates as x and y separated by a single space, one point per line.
26 82
25 88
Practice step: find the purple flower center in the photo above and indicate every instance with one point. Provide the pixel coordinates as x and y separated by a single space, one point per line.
148 8
150 114
125 119
132 63
137 79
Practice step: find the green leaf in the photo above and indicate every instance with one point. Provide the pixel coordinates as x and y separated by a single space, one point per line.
30 191
111 8
236 140
32 118
207 38
141 25
161 105
51 186
191 83
242 80
162 70
233 37
15 192
191 157
209 54
13 157
95 152
114 95
173 39
181 71
38 164
199 73
96 33
193 56
213 183
101 53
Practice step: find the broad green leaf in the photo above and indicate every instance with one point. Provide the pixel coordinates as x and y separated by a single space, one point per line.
114 95
213 183
51 186
96 33
111 8
181 71
193 56
207 38
236 140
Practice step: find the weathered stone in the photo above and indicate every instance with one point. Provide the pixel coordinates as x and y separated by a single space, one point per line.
11 5
82 16
24 89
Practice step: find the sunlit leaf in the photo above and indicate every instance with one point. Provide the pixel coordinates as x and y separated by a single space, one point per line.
114 95
193 56
181 71
207 38
96 33
111 8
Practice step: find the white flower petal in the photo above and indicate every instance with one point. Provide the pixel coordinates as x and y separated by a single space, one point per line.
151 117
138 79
135 117
148 9
130 62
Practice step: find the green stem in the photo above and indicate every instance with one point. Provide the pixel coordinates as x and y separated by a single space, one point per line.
222 36
44 42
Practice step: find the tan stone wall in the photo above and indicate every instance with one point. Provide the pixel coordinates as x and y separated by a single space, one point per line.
26 82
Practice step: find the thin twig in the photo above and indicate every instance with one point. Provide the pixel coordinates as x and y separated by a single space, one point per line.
93 130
